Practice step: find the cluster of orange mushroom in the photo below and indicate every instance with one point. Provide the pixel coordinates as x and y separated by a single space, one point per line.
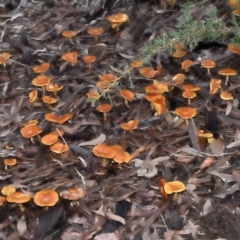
44 198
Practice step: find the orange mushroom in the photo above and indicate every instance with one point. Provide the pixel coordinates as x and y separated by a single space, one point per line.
49 139
174 187
31 122
102 84
130 125
179 53
118 19
159 104
190 87
234 48
33 96
95 32
178 79
208 64
42 68
51 117
215 84
89 59
157 87
226 96
227 72
49 100
109 78
46 198
69 34
10 161
7 190
53 88
19 198
189 95
161 189
186 64
93 94
70 57
186 112
104 108
122 157
30 131
127 95
4 57
137 63
148 72
41 81
59 148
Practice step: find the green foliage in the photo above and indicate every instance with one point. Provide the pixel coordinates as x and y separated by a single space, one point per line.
190 30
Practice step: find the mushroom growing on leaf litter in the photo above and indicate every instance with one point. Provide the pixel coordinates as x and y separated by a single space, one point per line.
104 108
95 32
227 72
118 19
186 112
70 57
73 193
46 198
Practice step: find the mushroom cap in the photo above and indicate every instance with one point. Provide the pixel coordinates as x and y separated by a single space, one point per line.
46 198
93 93
104 151
73 193
208 63
236 12
118 18
30 131
161 189
157 87
33 95
179 53
95 31
69 33
178 78
215 84
227 72
186 64
159 105
31 122
102 84
49 139
235 48
53 87
152 96
109 78
51 117
57 133
59 148
137 63
41 81
205 135
185 112
70 57
49 100
174 187
41 68
116 147
148 72
8 189
4 57
122 157
130 125
18 197
104 108
189 94
226 96
127 94
89 59
190 87
10 161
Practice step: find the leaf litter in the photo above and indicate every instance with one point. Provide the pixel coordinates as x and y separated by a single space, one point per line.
123 200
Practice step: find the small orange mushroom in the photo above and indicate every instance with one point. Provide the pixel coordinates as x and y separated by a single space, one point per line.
127 95
69 34
46 198
30 131
109 78
190 87
49 100
70 57
95 32
53 88
4 57
31 122
73 193
148 72
93 94
59 148
174 187
19 198
42 68
234 48
227 72
179 53
89 59
122 157
118 19
104 108
33 96
186 112
41 81
178 79
137 63
51 117
130 125
208 64
186 64
215 84
49 139
10 161
226 96
189 95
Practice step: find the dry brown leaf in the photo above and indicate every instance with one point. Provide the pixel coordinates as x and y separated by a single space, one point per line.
105 236
217 146
110 215
236 176
206 163
206 207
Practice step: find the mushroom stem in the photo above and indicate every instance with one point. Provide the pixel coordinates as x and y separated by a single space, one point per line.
175 196
89 66
105 116
186 120
104 162
70 40
189 101
126 103
96 39
138 151
208 70
21 207
226 81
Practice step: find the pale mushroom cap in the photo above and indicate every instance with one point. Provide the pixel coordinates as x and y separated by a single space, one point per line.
227 72
41 68
18 197
127 94
185 112
104 108
73 193
41 81
118 18
226 96
7 190
174 187
30 131
104 151
208 64
46 198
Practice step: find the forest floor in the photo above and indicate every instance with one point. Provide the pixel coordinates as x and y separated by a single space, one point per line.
125 199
